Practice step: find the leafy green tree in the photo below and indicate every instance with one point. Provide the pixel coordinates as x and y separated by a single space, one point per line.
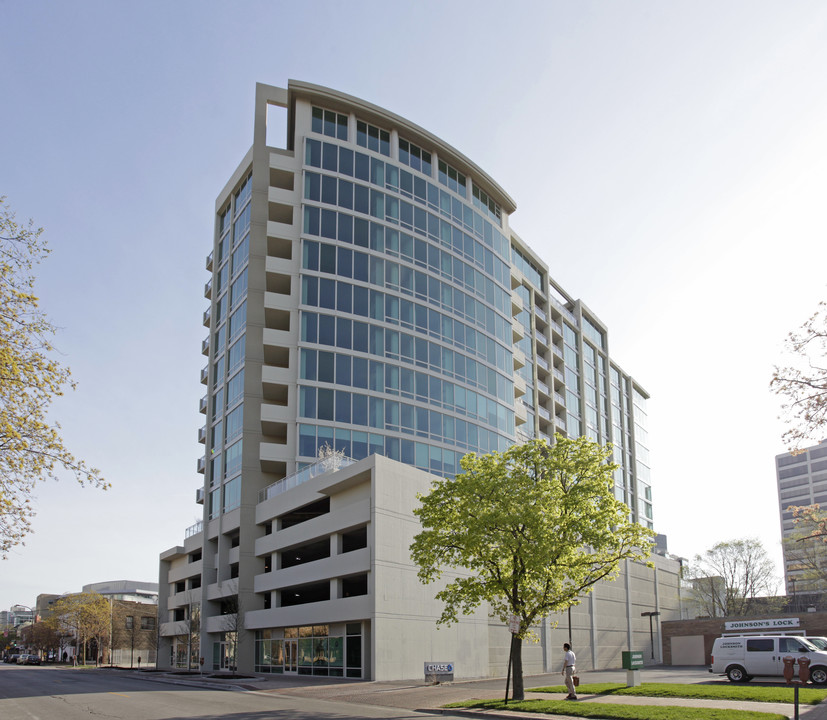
802 384
730 576
535 527
86 616
31 448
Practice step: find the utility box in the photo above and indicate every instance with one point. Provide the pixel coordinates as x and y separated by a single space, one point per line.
632 660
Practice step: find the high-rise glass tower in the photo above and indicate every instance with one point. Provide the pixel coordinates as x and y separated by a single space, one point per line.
367 294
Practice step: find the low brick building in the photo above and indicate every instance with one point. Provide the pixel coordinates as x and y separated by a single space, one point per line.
689 642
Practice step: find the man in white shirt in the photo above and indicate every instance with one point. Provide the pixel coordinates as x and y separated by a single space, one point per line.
568 671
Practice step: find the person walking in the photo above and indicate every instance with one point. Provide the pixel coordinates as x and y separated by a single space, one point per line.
569 660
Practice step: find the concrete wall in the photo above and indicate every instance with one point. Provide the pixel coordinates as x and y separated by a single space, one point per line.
406 612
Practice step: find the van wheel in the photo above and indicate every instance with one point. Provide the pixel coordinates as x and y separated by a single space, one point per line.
818 675
736 673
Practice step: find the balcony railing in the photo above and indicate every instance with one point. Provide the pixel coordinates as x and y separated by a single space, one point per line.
566 312
209 261
320 467
541 361
194 529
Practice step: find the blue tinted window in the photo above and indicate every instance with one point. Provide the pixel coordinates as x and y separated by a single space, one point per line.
310 255
313 153
344 297
362 167
342 406
326 365
309 327
345 228
310 291
312 185
360 336
344 337
360 409
307 440
376 408
311 220
327 296
328 194
307 402
359 442
327 330
343 363
345 161
328 229
360 372
325 409
345 263
308 364
330 155
343 442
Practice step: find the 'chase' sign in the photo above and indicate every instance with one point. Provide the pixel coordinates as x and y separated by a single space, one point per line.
439 671
775 624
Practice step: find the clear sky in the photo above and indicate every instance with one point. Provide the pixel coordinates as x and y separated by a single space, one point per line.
669 162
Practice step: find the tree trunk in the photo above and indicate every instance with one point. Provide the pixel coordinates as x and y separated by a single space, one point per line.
517 668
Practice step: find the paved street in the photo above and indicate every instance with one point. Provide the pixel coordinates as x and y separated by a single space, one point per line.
44 693
52 693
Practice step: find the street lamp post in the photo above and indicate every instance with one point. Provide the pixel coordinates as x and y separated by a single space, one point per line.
650 614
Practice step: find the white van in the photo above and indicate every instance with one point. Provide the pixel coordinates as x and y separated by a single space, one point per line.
743 657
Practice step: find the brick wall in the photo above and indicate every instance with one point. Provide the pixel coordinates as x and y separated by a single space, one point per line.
810 624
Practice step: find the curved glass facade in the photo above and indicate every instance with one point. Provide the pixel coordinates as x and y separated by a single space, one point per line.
405 339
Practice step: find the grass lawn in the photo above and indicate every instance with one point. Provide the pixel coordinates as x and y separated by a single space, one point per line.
619 712
729 691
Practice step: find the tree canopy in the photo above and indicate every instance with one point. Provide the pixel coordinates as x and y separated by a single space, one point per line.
83 615
31 447
535 527
729 577
802 384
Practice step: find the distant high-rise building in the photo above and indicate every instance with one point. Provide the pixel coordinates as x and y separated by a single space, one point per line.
367 295
802 480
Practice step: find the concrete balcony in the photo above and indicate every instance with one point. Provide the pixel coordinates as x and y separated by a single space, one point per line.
208 289
205 374
202 405
202 434
202 464
209 262
350 563
325 612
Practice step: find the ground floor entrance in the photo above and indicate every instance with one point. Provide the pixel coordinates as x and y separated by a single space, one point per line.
325 650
